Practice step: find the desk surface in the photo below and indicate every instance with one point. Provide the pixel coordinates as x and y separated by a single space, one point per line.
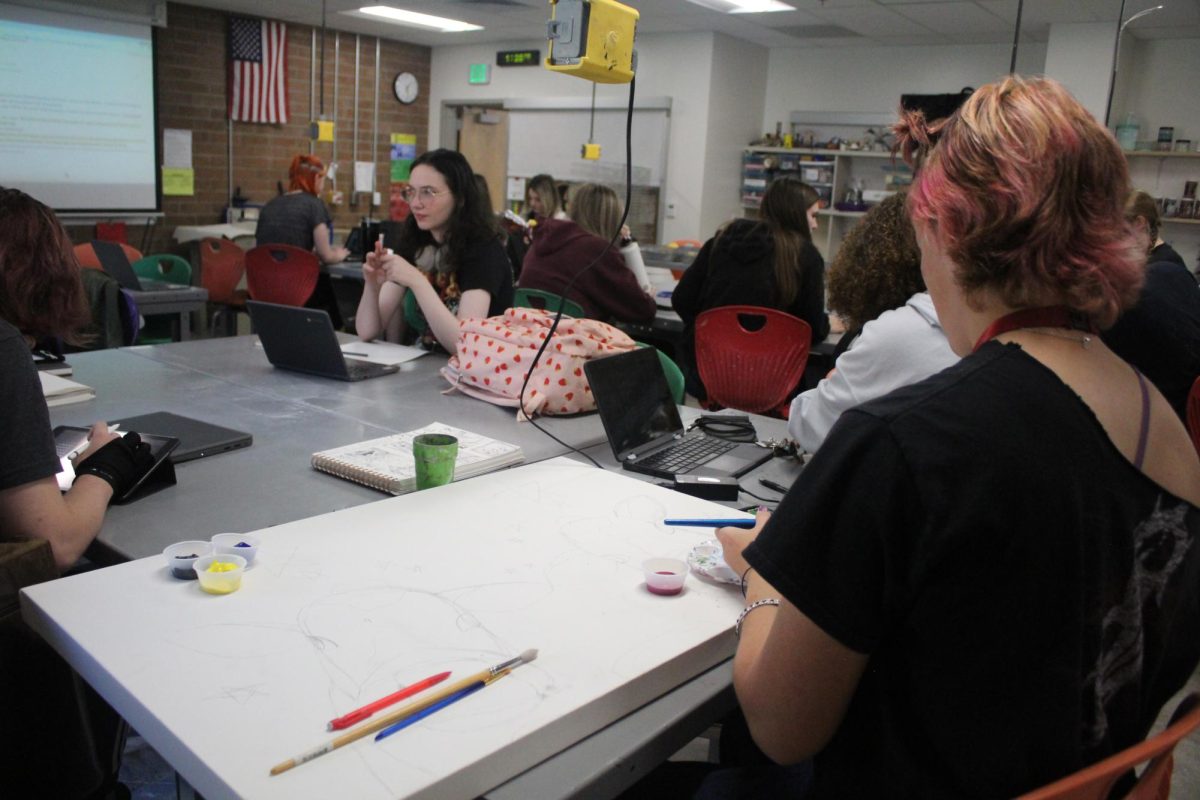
343 607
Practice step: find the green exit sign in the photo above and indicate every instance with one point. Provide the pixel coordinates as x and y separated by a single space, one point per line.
479 73
518 58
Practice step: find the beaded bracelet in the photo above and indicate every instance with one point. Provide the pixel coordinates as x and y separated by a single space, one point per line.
766 601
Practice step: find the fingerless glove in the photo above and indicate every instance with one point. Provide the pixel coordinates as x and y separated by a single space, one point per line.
120 462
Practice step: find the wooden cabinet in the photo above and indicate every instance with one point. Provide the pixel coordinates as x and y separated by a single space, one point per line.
834 174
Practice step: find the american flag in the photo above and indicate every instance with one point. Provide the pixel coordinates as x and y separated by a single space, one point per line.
257 70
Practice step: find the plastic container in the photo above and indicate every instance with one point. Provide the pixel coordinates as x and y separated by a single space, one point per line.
220 581
236 544
664 576
1127 133
182 555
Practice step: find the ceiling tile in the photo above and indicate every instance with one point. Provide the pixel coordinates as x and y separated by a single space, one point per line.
954 17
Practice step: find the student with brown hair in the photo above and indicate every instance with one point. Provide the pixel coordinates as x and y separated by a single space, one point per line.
770 262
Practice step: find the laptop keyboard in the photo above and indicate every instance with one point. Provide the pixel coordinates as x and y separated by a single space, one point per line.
692 451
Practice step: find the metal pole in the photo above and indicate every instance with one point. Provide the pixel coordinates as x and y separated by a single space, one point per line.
229 167
357 74
1012 66
337 63
312 85
375 130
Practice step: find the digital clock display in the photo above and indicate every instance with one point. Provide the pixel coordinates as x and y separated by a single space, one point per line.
518 58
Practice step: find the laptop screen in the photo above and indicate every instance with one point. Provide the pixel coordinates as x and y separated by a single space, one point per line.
116 264
633 399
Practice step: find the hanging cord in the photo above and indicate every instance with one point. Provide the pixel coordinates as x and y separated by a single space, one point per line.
592 125
578 275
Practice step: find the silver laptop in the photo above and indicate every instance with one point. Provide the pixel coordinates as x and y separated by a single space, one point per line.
303 340
643 426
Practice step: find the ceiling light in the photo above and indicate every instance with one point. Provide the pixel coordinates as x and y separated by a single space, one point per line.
402 17
745 6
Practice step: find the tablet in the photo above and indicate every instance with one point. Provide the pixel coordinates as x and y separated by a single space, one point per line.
70 440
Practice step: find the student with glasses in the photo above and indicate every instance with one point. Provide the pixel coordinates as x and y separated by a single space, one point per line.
449 259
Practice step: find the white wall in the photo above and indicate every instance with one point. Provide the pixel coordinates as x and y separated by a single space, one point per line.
873 78
674 65
736 102
1079 56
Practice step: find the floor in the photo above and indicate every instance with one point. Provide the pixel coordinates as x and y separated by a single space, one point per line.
149 778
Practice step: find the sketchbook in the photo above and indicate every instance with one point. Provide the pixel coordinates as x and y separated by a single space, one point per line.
60 391
387 464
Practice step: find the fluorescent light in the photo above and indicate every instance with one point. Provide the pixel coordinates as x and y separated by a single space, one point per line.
403 17
745 6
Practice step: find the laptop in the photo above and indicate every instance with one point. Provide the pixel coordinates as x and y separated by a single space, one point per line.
303 340
643 426
197 438
117 265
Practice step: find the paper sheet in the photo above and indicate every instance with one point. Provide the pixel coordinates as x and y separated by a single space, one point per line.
364 176
177 148
382 352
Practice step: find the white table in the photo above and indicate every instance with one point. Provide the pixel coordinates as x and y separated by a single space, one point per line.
341 608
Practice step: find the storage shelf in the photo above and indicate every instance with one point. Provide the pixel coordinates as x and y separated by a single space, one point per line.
1158 154
1179 220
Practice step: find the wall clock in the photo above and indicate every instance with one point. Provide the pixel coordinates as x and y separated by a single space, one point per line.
406 87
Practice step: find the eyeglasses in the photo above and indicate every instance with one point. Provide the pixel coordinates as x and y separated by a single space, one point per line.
426 193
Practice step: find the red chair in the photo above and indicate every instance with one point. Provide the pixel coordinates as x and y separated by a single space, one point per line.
86 255
1193 414
222 265
280 273
1095 782
751 358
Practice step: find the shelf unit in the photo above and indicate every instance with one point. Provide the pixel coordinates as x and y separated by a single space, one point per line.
831 172
1163 174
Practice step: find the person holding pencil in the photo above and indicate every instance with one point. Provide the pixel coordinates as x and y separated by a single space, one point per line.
988 580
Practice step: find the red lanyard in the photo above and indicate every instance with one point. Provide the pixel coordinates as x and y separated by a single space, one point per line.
1045 317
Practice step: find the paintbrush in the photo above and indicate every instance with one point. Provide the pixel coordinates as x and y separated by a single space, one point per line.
484 676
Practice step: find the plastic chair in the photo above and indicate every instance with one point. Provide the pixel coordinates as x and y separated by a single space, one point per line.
222 265
164 267
281 273
1193 414
672 372
86 255
548 301
1095 782
751 369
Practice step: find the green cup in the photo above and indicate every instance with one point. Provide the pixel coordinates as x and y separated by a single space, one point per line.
434 454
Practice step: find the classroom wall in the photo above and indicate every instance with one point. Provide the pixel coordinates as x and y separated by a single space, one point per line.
1080 57
678 66
873 78
192 65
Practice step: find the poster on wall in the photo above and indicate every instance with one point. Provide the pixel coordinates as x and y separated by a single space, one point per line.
403 151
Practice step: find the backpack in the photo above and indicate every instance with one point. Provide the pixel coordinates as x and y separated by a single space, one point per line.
494 355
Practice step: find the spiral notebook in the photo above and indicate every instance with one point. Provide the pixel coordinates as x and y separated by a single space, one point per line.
387 464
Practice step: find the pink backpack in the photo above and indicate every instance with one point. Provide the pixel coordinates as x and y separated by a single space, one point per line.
495 353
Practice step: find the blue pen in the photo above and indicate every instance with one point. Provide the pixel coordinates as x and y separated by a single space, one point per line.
711 523
425 712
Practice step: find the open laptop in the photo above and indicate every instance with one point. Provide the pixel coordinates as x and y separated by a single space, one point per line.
303 340
643 425
116 264
197 438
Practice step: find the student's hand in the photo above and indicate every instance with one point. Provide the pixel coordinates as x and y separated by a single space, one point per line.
735 540
98 436
373 274
400 271
341 254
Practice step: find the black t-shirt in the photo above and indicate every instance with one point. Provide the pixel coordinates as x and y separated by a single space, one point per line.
28 453
1027 598
290 219
486 266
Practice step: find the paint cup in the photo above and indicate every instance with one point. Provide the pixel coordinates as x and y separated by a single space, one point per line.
236 544
434 454
182 555
220 574
664 576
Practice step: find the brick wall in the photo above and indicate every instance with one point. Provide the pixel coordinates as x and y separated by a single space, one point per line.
192 66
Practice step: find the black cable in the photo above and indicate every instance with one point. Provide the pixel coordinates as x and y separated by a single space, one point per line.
744 490
730 428
609 246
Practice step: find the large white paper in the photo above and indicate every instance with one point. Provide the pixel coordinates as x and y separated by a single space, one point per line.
364 176
177 148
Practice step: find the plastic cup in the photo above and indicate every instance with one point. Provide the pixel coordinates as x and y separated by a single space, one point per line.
236 544
434 454
221 581
182 555
664 576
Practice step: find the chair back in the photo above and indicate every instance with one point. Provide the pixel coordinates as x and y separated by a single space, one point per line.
222 264
1193 413
1095 782
536 298
751 358
86 255
164 267
281 273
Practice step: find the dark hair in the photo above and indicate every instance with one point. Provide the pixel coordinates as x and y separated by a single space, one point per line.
485 194
471 221
1140 204
40 290
784 209
543 185
878 265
